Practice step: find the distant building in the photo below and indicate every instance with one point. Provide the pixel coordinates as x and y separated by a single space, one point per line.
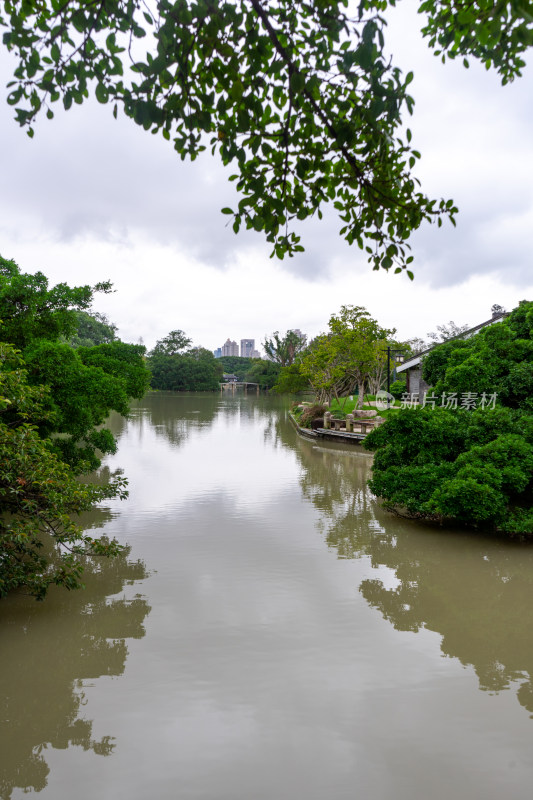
218 352
256 354
230 348
247 348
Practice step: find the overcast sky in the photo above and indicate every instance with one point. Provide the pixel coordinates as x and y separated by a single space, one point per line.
91 198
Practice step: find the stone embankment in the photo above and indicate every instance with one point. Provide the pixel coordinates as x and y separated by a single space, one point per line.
353 429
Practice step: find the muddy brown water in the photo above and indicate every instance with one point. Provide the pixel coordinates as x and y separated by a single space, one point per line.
272 634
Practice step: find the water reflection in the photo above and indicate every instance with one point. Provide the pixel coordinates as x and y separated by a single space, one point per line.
470 589
160 414
472 593
49 652
173 416
266 671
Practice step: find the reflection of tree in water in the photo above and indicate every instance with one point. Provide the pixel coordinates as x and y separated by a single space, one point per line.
174 415
251 408
343 498
474 591
53 647
334 478
279 430
101 515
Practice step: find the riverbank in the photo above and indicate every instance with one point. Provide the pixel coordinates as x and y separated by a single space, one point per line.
327 434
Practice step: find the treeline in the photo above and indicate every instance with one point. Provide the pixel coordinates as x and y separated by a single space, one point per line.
176 365
57 388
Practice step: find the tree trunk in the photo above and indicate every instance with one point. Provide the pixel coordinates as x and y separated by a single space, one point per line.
361 395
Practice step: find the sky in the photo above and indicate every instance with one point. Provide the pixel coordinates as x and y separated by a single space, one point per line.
91 198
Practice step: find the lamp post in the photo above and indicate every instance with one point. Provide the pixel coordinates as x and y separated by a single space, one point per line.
399 358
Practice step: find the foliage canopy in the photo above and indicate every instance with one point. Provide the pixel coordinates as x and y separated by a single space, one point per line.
346 358
85 383
236 365
263 372
285 349
32 311
92 328
40 544
177 367
499 358
300 98
53 402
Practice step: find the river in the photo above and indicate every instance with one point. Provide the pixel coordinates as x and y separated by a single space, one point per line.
273 633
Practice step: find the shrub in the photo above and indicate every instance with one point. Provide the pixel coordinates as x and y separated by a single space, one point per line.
470 467
310 413
397 388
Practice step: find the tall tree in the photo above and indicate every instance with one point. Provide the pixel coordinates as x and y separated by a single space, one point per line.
348 357
235 365
263 372
284 349
31 310
449 331
172 344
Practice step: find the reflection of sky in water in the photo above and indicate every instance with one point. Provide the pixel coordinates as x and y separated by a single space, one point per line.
296 639
229 454
264 674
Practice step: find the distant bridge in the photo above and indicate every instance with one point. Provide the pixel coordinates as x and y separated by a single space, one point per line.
234 385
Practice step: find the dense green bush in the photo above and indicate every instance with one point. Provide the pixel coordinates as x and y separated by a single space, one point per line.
236 365
397 388
291 381
92 329
180 368
40 543
54 400
499 359
263 372
474 466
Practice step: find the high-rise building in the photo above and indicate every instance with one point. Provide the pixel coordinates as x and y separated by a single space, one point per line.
247 348
230 348
218 352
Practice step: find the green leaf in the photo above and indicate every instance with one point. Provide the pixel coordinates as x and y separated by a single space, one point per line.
101 93
297 82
